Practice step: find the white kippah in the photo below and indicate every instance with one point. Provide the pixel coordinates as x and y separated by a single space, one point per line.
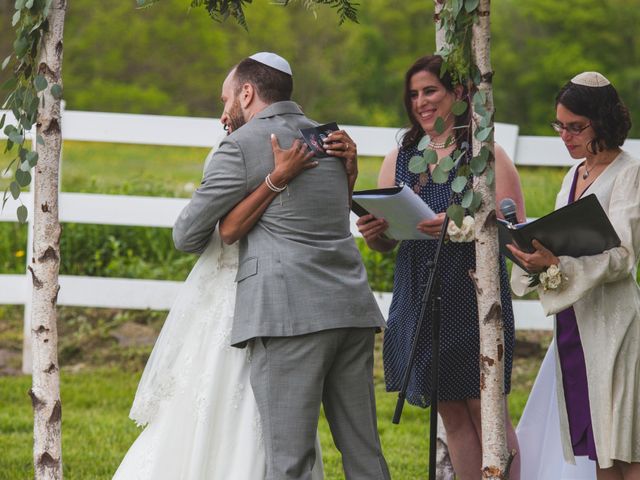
272 60
590 79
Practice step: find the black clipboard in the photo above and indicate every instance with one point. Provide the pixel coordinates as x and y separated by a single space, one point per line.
579 229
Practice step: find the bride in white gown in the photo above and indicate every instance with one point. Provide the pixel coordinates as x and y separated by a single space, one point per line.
539 432
195 398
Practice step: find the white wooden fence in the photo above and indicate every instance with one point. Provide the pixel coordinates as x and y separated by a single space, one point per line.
161 212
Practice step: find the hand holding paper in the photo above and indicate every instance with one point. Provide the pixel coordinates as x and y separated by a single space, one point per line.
399 206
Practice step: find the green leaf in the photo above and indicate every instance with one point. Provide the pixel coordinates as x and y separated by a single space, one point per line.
23 178
439 175
478 165
480 110
476 76
39 139
16 18
15 190
479 98
484 153
5 62
25 167
40 83
439 126
20 4
471 5
22 214
56 91
32 158
483 133
424 142
456 6
21 45
2 120
456 213
459 184
430 156
467 199
15 137
476 202
485 119
491 176
459 107
417 164
29 3
446 163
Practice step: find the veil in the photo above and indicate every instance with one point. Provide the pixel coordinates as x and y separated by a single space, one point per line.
209 286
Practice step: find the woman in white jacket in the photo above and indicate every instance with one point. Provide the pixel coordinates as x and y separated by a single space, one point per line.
595 298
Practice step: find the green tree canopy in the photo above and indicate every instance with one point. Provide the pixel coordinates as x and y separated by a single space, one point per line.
167 60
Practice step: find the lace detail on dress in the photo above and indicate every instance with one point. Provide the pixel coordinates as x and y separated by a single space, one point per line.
202 315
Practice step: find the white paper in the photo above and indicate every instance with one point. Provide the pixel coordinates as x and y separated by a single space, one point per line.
403 211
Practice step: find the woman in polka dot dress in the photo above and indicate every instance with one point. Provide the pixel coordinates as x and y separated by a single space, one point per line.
427 97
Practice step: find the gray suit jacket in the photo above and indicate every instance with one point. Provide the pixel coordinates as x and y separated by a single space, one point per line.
300 270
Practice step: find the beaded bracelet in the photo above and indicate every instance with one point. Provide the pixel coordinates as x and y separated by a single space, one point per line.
271 185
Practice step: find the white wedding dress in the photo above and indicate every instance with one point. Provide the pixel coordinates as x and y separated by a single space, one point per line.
539 432
202 421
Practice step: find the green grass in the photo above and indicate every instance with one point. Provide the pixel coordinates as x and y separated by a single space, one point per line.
97 432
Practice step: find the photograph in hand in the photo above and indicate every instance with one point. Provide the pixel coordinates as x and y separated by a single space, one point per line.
314 137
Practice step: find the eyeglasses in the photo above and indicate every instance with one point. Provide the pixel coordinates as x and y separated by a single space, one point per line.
572 128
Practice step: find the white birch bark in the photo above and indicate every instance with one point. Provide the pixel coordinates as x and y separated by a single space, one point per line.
444 467
45 261
495 458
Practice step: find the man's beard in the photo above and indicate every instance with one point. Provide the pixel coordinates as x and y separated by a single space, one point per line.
236 118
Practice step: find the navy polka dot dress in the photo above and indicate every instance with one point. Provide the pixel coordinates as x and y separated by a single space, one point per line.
459 333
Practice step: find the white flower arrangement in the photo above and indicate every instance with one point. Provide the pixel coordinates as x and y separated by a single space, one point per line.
550 279
464 233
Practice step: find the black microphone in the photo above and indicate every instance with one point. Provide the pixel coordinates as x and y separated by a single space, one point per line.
508 209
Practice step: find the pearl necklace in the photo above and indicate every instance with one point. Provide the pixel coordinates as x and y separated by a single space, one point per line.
439 145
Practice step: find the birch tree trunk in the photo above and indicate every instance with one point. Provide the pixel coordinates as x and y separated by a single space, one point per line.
495 458
45 260
444 467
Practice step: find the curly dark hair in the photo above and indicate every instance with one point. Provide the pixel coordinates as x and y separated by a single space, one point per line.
431 64
271 85
603 107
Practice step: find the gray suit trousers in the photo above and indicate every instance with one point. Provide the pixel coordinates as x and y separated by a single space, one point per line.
292 376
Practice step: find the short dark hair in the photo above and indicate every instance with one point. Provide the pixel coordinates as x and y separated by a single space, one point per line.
271 85
431 64
603 107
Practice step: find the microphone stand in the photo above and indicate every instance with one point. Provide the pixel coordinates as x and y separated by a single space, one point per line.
431 296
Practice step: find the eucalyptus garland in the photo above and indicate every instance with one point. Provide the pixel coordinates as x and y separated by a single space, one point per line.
457 18
221 10
22 94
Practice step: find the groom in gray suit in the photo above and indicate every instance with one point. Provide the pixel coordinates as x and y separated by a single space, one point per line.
303 301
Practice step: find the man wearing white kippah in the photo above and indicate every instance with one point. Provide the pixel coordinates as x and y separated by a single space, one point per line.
303 303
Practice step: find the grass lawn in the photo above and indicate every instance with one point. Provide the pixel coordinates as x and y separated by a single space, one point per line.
97 432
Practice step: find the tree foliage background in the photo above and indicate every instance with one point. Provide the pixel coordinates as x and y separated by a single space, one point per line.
167 60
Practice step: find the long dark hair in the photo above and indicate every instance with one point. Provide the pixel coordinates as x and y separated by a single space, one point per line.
603 107
431 64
